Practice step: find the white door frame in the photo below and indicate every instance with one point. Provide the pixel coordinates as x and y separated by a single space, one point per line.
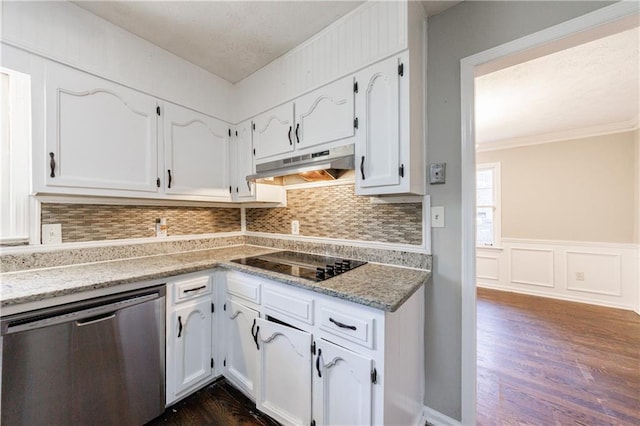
599 17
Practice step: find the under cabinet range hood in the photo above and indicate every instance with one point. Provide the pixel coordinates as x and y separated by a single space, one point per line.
330 161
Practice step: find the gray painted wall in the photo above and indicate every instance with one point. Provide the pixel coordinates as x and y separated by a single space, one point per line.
466 29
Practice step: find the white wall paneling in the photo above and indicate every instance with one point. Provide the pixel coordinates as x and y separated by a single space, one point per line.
531 266
594 272
597 273
66 33
369 33
488 267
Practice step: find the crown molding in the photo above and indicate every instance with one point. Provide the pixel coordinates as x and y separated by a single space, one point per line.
566 135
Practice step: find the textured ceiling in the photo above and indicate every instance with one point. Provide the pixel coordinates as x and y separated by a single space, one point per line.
590 85
231 39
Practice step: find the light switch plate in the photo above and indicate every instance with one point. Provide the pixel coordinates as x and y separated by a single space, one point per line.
437 173
52 234
437 217
295 227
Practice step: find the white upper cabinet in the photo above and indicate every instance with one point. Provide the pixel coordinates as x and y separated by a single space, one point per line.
378 137
242 162
99 134
196 153
325 115
390 145
273 132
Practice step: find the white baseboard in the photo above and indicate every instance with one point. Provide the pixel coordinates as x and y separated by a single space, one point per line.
436 418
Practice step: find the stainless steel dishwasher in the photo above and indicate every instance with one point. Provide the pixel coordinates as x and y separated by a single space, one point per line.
96 362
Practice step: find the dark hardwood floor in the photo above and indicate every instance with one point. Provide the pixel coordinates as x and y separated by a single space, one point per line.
549 362
217 404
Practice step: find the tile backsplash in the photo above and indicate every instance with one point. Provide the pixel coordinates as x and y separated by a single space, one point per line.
87 222
336 212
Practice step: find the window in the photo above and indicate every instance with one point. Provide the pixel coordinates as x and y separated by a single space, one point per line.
488 205
15 143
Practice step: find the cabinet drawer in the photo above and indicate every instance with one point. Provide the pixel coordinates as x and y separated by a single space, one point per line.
291 305
348 324
192 288
244 287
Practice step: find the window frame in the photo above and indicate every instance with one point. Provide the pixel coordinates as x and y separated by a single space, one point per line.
497 206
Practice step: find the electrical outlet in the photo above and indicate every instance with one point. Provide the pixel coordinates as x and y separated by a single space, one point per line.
52 234
579 276
295 227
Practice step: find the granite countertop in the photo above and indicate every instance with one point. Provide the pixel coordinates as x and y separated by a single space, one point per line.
379 286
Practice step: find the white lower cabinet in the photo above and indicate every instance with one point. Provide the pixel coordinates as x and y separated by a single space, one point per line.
189 331
342 386
284 390
241 359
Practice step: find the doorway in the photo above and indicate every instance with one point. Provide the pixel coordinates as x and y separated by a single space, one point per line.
575 32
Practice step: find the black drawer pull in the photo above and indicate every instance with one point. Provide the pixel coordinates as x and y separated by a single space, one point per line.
341 325
170 177
362 167
195 289
290 141
318 362
179 326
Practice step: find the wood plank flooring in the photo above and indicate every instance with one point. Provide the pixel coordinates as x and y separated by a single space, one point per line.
219 404
549 362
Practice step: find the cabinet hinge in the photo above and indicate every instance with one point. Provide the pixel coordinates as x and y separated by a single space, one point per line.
355 123
158 110
229 132
224 362
211 362
213 308
158 182
313 423
236 133
253 126
229 189
401 70
254 151
224 307
355 87
313 348
401 170
374 376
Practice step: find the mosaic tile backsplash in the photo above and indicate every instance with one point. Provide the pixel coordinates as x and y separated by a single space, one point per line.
85 222
336 212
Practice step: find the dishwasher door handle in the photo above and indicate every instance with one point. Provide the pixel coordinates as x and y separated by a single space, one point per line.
96 319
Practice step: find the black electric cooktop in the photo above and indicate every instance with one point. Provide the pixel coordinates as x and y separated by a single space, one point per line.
309 266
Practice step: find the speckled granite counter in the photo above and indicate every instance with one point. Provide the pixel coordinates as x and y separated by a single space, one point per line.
380 286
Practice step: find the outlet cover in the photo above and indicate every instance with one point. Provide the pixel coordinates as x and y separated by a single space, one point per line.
579 276
295 227
52 234
437 173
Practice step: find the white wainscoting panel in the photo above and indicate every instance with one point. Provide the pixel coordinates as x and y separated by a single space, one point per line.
488 267
532 266
606 274
594 272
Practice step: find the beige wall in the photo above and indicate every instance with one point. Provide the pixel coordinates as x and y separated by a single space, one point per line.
577 190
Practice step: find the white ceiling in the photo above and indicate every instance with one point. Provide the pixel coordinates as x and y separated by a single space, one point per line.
592 85
231 39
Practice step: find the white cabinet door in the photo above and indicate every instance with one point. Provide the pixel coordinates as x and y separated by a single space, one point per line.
192 345
326 114
242 162
241 360
342 392
98 134
378 134
196 153
273 132
284 390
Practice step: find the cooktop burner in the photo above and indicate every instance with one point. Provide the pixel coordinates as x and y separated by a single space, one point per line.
310 266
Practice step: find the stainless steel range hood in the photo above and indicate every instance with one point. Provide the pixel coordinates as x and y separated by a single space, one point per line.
341 158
